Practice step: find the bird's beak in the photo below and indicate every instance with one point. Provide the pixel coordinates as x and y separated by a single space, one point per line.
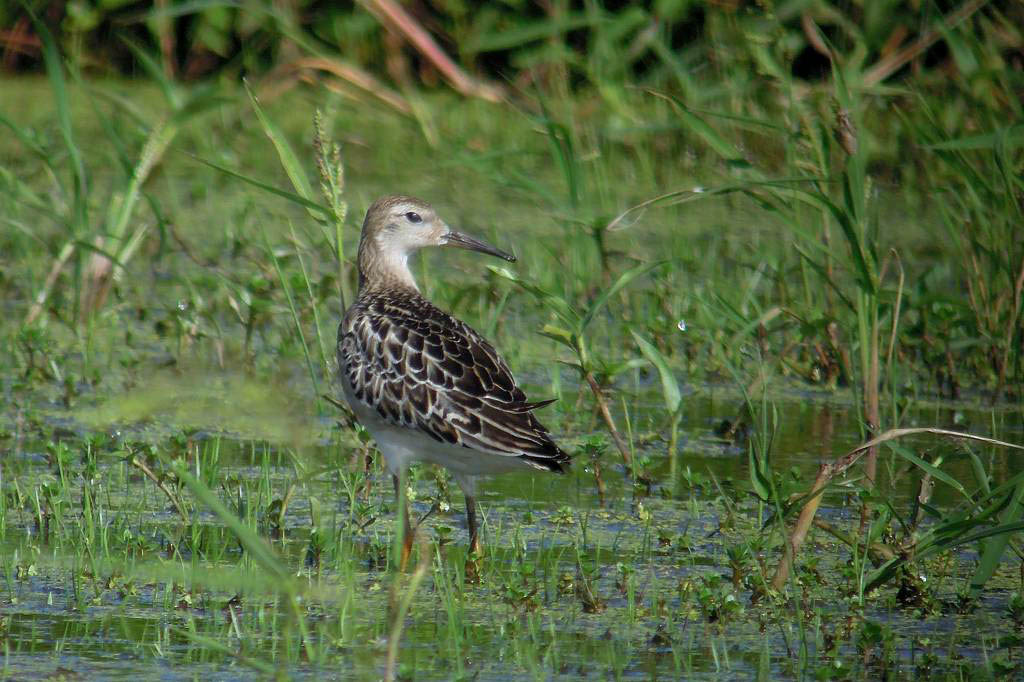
464 241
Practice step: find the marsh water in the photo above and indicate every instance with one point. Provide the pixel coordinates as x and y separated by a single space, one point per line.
68 612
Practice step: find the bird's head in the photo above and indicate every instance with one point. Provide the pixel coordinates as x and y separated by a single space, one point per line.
396 226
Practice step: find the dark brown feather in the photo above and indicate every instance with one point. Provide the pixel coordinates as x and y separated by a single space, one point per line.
421 368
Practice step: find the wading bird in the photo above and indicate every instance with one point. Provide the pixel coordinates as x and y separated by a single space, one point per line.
424 384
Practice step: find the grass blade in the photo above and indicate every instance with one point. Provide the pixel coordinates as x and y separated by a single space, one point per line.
669 385
289 160
623 281
55 72
295 319
310 205
992 550
935 472
261 553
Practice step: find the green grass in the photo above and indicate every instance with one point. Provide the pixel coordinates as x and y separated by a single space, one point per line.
174 486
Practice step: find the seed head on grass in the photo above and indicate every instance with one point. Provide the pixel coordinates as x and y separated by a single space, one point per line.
332 186
330 168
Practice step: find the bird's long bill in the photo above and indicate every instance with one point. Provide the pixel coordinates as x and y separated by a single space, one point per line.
464 241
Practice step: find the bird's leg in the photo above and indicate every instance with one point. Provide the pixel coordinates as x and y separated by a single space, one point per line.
475 550
406 529
474 535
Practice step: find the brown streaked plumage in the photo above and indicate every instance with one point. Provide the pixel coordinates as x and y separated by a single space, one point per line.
424 384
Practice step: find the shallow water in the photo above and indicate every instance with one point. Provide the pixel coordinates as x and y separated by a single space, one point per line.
658 563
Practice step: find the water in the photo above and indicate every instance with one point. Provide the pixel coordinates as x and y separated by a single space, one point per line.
114 600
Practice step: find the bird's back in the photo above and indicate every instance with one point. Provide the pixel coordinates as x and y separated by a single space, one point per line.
417 367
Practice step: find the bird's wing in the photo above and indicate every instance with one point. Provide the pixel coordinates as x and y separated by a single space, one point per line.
420 368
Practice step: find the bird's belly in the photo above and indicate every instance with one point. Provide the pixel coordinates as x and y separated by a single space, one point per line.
402 445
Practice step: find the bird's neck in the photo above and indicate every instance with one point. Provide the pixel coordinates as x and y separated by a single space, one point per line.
381 266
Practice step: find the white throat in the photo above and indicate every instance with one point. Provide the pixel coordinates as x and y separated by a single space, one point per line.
386 263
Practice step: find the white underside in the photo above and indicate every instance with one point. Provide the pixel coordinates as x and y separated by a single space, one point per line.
401 446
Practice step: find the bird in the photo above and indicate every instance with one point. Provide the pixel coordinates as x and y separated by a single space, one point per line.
424 384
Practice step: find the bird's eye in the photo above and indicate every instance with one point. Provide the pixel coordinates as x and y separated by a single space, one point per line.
413 217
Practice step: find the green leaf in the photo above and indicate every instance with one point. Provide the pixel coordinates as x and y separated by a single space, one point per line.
669 385
822 272
211 644
295 319
528 33
572 365
55 71
758 480
980 475
1010 137
249 539
563 152
928 468
623 280
25 139
285 153
614 368
552 301
155 71
727 150
889 568
562 336
992 551
309 204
